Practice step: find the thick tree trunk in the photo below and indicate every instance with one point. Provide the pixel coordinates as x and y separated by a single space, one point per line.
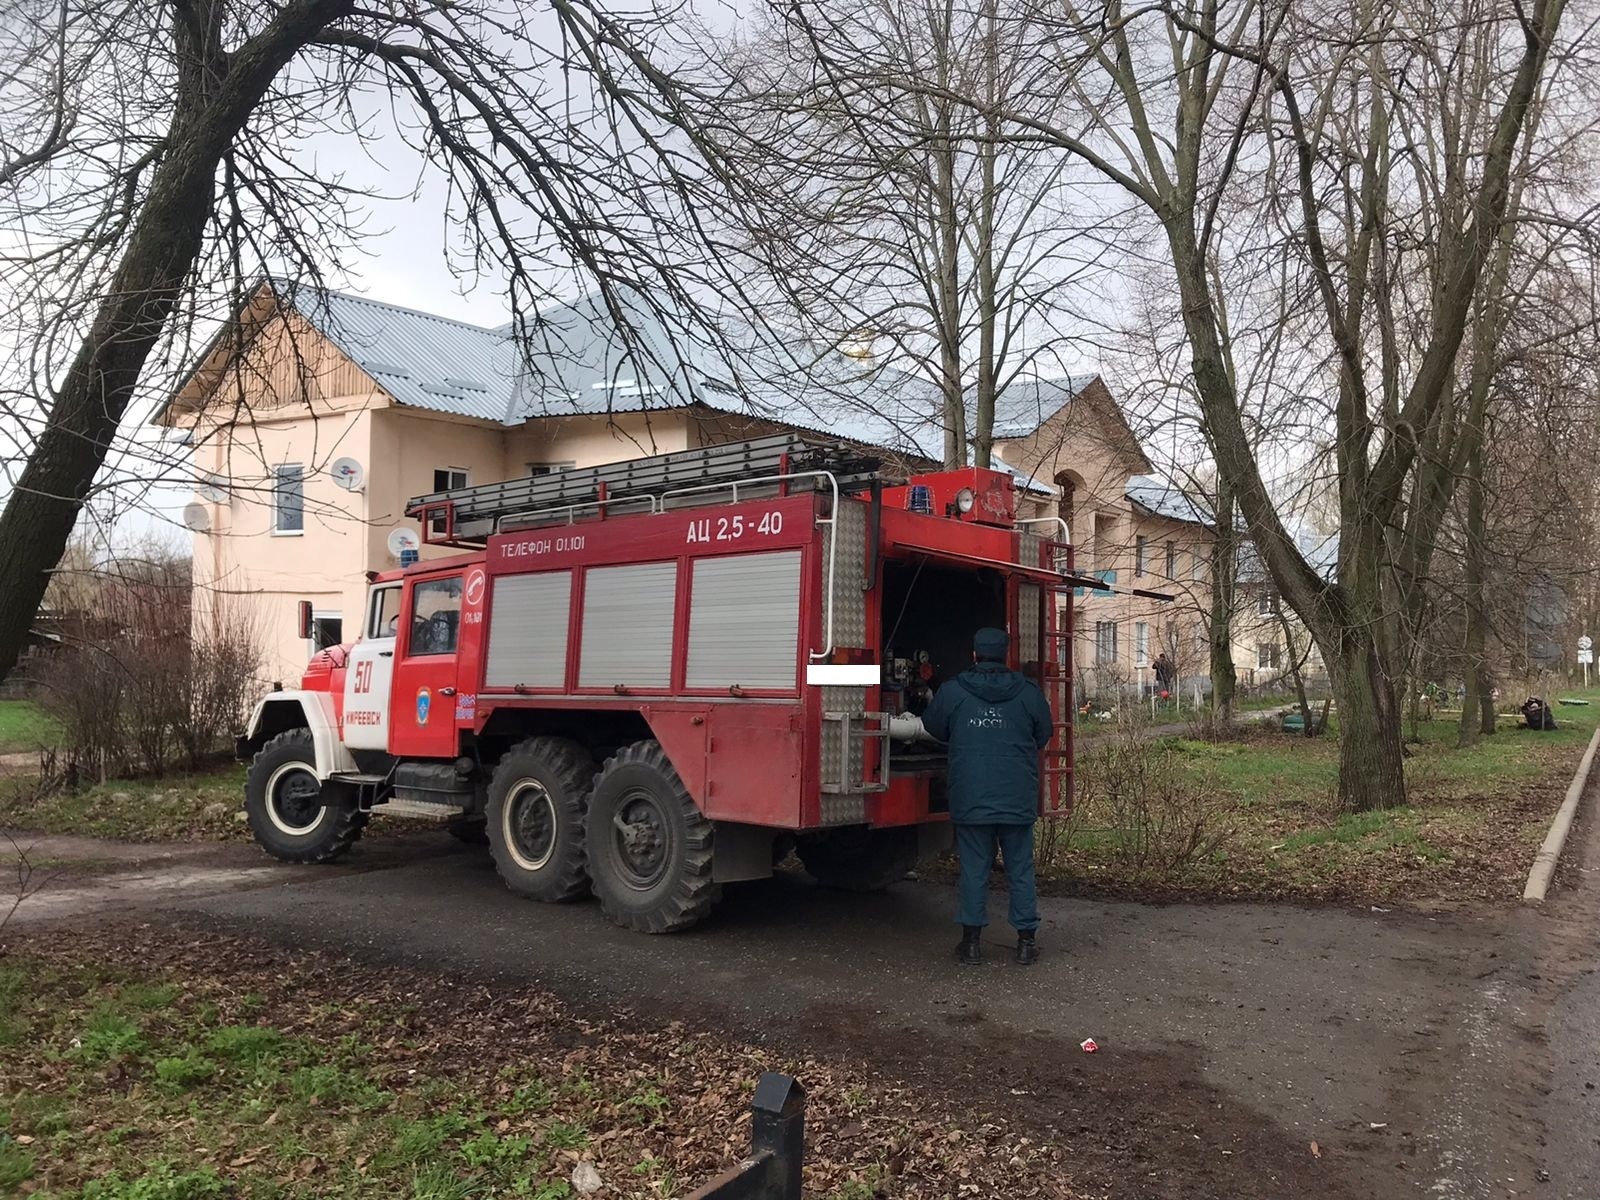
83 419
1224 569
1371 761
215 93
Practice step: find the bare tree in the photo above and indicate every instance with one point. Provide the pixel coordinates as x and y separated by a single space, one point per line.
156 156
901 227
1248 128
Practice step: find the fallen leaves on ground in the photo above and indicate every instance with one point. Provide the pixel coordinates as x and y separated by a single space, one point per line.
227 1057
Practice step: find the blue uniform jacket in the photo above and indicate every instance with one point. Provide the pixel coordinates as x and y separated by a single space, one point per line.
995 721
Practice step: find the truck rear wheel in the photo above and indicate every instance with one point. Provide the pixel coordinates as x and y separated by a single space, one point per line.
285 803
859 860
537 798
649 846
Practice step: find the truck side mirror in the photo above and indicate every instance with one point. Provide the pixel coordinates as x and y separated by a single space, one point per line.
305 620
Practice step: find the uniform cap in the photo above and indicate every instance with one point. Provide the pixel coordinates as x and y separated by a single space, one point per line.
990 645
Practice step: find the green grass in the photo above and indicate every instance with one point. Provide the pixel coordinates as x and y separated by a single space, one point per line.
179 808
195 1077
1473 819
25 726
127 1085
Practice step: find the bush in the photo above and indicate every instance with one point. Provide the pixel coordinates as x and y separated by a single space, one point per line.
144 688
1136 799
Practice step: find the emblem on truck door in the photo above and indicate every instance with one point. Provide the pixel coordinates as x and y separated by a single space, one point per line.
424 705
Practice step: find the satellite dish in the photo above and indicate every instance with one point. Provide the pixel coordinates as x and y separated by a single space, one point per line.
348 474
212 487
402 539
196 517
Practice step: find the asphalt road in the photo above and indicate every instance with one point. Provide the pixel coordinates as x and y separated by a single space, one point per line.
1233 1037
1246 1050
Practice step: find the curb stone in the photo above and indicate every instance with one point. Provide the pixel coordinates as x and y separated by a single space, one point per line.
1544 863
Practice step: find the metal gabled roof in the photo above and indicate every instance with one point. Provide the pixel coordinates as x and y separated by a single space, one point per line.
579 363
1026 404
421 360
1163 498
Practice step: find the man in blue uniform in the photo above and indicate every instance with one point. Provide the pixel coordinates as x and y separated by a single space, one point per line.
995 721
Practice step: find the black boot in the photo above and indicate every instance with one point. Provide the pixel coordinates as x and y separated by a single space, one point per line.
1027 948
970 952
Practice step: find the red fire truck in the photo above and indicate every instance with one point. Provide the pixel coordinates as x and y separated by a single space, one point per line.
653 678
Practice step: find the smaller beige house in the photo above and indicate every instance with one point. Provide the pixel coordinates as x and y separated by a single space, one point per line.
337 388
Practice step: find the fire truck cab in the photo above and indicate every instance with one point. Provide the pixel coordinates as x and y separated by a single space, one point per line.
653 678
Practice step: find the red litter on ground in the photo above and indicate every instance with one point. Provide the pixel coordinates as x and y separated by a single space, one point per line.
1088 1045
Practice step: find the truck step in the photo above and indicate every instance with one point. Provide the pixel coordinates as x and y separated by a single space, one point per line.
417 808
357 777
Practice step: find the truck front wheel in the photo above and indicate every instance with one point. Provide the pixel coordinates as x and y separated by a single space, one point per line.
855 859
537 799
286 806
649 846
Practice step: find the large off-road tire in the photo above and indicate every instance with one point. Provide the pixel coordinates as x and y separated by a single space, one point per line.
286 805
649 846
856 859
537 798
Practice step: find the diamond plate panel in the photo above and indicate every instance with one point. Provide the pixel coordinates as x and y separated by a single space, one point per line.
848 603
1028 623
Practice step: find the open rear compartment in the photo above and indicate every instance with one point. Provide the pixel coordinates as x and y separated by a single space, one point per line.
930 612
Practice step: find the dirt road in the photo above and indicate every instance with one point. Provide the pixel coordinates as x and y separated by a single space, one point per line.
1247 1050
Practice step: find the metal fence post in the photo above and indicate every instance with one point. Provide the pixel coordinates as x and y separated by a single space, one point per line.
778 1126
777 1146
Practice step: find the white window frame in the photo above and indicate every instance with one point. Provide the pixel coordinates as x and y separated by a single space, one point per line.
436 524
325 614
1102 642
1141 551
1266 603
1172 560
536 470
1141 643
1269 656
277 510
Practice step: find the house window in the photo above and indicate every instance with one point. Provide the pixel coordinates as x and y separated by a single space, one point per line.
327 629
1200 567
1141 547
1105 641
289 498
1172 560
548 468
1141 642
1267 656
446 479
1267 603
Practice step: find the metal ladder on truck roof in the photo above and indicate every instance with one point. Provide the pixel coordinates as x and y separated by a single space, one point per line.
468 516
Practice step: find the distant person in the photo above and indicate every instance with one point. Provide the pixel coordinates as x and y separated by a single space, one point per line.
1166 672
995 721
1536 713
